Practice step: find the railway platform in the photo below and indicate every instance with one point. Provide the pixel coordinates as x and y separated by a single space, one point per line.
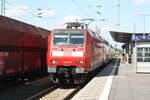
117 82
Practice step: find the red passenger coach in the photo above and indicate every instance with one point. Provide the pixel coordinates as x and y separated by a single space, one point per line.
22 48
72 53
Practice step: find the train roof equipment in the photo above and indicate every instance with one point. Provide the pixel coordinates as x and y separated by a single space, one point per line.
76 25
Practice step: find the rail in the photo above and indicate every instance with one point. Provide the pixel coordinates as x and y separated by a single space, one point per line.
41 94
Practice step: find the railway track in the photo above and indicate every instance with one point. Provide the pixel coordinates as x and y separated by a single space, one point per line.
24 90
6 84
43 93
60 92
57 92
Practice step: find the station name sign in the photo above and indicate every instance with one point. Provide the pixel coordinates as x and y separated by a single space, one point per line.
141 37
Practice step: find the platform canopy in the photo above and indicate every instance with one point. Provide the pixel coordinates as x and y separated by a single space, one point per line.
122 37
125 37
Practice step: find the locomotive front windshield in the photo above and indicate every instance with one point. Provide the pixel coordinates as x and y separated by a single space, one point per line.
73 38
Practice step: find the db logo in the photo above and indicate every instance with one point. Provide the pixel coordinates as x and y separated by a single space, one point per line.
67 62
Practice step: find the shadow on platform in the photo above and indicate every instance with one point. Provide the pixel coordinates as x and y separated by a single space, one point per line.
107 70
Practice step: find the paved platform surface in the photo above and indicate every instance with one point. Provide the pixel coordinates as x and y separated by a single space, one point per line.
98 88
128 85
124 85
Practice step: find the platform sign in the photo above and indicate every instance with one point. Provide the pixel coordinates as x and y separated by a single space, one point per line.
141 37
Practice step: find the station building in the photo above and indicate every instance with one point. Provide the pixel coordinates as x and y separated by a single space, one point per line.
137 46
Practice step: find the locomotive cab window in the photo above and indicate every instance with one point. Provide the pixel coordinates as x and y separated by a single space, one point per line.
76 39
72 38
60 39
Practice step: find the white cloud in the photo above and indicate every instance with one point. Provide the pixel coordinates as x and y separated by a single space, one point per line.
69 18
121 20
47 13
107 28
17 11
139 2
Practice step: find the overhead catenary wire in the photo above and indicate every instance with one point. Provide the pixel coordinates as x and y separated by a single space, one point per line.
35 2
23 9
39 15
104 18
26 10
18 7
116 5
31 13
39 5
80 8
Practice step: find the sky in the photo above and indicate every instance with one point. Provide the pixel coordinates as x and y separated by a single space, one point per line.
51 14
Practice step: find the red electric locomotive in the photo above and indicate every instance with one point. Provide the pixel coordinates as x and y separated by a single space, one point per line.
74 52
22 48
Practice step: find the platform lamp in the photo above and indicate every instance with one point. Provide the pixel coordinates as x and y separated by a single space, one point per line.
144 15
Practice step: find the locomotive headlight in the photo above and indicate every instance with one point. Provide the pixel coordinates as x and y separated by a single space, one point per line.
54 62
80 62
